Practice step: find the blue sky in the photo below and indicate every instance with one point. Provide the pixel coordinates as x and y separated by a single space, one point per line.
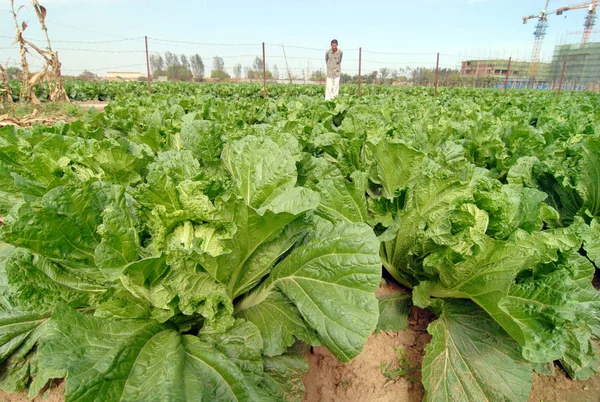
417 29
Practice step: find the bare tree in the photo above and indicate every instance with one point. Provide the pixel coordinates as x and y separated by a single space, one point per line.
247 71
275 72
258 65
218 63
237 71
171 59
197 66
184 62
383 74
157 63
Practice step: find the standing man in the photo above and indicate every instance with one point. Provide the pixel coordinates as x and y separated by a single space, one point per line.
333 58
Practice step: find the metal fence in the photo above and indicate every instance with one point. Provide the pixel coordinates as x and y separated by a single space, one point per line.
573 67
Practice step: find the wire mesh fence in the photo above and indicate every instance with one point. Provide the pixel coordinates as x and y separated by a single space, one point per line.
186 59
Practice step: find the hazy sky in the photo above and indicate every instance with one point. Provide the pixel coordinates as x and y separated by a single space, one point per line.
414 30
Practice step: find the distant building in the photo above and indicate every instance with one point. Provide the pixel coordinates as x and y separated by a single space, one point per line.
162 78
123 76
498 68
583 63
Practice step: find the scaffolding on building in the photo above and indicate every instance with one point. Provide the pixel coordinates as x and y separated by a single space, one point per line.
583 63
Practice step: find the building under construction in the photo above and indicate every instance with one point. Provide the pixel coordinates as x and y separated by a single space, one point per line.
583 63
582 68
499 68
519 70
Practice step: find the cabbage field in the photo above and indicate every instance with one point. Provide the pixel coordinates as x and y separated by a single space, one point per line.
193 244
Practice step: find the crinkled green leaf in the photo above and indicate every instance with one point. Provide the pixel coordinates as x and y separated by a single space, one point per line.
203 139
558 311
393 312
397 165
592 242
342 200
267 202
261 169
19 333
331 280
199 293
118 162
510 208
432 201
470 358
544 368
133 360
9 194
242 343
164 174
38 284
5 252
588 183
123 305
120 241
280 323
64 227
284 374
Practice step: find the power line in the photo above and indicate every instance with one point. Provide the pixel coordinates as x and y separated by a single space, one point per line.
293 47
79 42
109 68
400 53
296 58
307 48
202 43
399 64
101 51
84 29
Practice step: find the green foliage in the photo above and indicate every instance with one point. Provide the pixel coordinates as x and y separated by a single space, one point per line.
184 246
204 230
179 73
401 368
219 75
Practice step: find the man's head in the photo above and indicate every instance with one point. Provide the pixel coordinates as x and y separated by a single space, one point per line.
334 45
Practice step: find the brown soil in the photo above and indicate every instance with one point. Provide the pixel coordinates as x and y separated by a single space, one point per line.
561 388
362 379
56 394
99 105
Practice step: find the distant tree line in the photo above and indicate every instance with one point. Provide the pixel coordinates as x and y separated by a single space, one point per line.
192 68
415 76
177 67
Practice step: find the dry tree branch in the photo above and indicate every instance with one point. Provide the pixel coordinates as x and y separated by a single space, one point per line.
26 92
57 90
6 92
41 14
53 77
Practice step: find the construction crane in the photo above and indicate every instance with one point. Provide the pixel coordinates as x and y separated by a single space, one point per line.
542 28
590 21
540 33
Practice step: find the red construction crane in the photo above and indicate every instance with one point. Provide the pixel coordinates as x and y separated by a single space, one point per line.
542 28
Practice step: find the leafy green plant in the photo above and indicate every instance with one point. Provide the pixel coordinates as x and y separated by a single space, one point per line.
525 292
156 291
205 227
402 367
